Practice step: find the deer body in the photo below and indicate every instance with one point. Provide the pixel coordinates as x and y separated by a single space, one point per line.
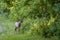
18 25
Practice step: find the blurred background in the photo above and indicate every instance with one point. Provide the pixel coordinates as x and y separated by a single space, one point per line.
41 19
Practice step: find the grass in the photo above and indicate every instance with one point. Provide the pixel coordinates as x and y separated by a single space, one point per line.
8 33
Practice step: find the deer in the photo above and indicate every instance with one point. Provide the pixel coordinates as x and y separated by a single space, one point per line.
18 24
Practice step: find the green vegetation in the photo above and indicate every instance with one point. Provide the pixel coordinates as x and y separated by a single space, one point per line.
41 19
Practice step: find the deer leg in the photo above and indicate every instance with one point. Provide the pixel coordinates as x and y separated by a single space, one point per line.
18 29
15 28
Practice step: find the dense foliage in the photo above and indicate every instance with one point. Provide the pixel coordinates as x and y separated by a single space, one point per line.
41 17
